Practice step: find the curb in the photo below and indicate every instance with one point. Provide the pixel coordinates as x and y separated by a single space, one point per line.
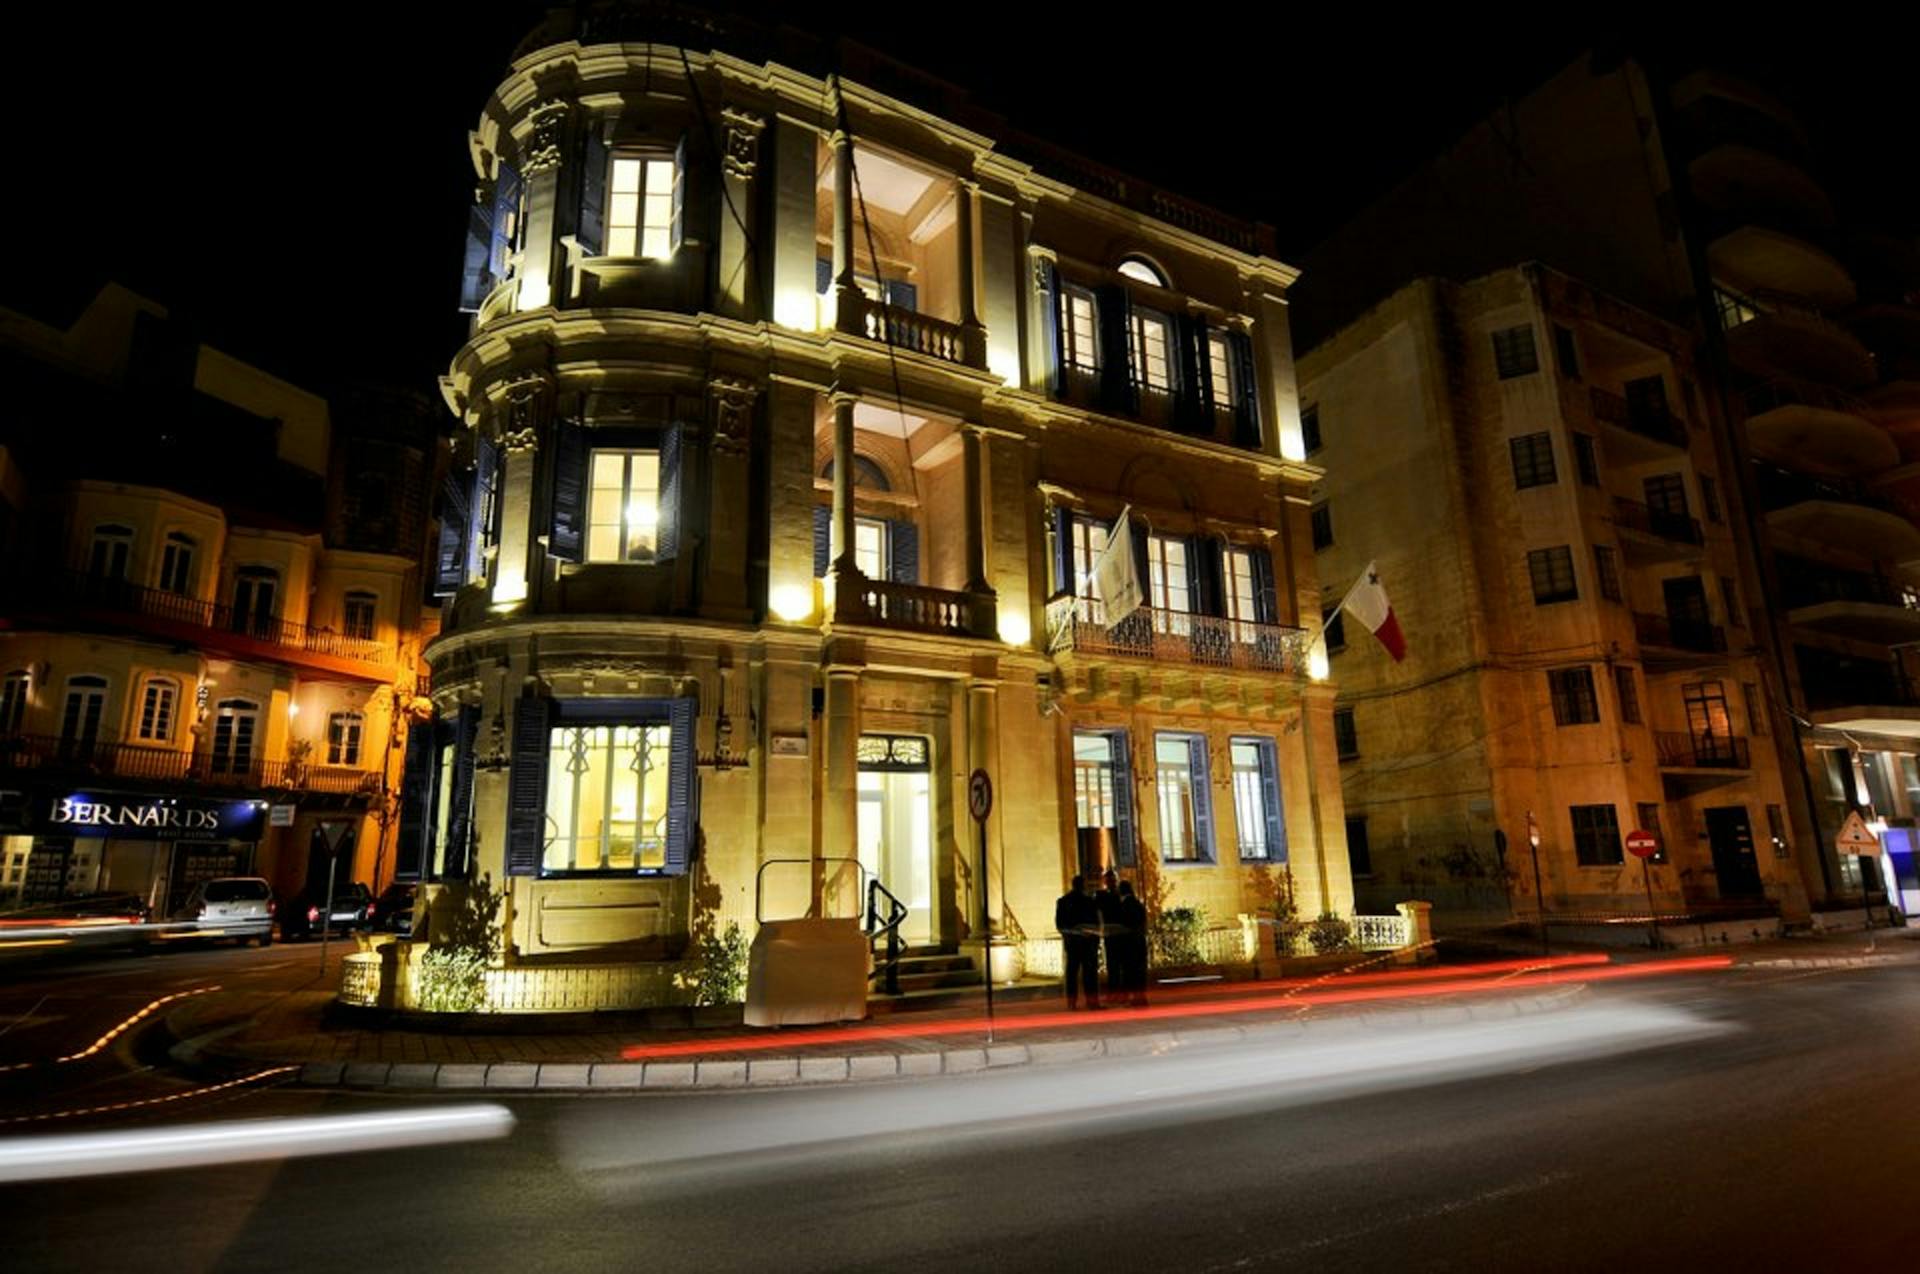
1831 962
786 1072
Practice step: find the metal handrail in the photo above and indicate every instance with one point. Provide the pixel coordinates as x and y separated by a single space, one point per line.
896 913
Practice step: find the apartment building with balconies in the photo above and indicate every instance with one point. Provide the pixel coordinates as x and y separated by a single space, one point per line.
799 409
210 615
1527 462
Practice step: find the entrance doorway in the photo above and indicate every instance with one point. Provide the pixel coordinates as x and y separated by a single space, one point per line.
1731 836
896 826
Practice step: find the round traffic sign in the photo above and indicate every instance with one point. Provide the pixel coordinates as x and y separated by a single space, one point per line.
1642 843
979 796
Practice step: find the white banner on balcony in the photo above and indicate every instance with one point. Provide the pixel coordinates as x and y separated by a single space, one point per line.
1116 580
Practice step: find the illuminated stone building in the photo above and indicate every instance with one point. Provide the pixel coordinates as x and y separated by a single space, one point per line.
210 610
798 407
1527 462
1697 196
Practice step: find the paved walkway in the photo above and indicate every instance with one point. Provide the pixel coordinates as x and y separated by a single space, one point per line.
239 1033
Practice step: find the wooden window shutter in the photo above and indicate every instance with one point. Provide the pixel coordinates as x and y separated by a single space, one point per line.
668 534
566 532
681 783
527 785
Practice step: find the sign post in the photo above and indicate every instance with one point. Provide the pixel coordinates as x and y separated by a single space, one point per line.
980 804
1645 845
332 836
1539 898
1856 838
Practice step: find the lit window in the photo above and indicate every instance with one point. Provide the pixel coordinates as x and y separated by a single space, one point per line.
357 615
870 547
641 207
1180 780
1081 331
1089 542
1734 309
1094 786
156 710
607 796
1169 583
1220 369
1256 800
343 738
1243 596
1138 270
176 565
623 514
1150 347
13 701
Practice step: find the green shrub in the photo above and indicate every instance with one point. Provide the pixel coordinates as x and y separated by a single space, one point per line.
452 980
1329 934
1175 938
722 975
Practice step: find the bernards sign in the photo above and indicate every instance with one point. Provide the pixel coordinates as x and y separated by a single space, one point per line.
154 818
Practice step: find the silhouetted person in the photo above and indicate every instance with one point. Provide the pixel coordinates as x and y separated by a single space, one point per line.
1107 902
1131 916
1078 920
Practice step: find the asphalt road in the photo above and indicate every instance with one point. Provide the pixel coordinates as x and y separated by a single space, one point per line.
1774 1129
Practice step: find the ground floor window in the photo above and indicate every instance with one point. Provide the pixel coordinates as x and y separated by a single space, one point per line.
607 797
1596 836
1256 800
1180 779
1102 799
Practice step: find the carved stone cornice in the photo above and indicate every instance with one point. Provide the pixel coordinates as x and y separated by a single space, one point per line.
743 128
546 138
517 441
524 399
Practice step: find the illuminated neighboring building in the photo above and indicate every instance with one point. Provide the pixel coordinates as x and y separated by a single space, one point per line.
799 410
1695 195
210 615
1527 462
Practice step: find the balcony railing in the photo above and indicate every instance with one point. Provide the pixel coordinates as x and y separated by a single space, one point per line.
1679 634
105 758
914 607
1799 393
1678 527
80 589
1649 420
910 330
1681 750
1170 636
1815 584
1782 488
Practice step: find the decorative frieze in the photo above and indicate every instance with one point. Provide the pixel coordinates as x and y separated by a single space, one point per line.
546 138
743 129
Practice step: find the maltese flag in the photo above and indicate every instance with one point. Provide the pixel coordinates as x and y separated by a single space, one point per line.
1367 602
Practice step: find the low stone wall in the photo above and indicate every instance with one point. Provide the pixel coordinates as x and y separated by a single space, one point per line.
389 979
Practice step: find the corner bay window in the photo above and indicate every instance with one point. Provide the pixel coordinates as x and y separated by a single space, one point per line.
623 508
601 786
643 206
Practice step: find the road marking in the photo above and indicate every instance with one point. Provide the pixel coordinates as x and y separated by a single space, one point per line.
113 1034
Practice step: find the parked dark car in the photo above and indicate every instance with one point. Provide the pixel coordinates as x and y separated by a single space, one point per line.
394 912
353 910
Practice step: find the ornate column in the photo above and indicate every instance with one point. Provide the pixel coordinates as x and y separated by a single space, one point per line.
540 153
522 408
739 293
974 336
974 487
733 399
846 292
840 557
840 799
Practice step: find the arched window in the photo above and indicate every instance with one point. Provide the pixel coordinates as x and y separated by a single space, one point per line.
866 474
236 724
357 615
112 546
158 698
1142 270
14 688
176 564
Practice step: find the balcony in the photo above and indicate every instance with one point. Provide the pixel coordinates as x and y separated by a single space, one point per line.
1735 176
1656 533
1836 511
1758 260
75 597
1667 633
103 758
914 608
1681 750
917 333
1784 338
1650 421
1850 603
1177 637
1800 423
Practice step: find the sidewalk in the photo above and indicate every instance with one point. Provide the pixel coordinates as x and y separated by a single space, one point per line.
236 1034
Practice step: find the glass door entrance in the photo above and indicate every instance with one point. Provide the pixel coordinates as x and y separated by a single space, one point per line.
896 826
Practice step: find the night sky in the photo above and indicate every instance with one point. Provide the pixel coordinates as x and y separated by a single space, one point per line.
299 190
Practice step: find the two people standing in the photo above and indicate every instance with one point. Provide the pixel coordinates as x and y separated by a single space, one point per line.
1114 917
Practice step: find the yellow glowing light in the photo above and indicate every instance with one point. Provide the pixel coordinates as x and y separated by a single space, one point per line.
795 309
643 515
1015 628
293 709
1317 668
791 602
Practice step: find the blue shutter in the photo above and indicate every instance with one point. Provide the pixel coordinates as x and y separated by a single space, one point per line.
1063 581
681 813
1124 838
1266 603
1051 303
1270 793
480 513
677 235
591 227
1114 313
903 552
1139 528
450 564
1246 407
506 209
456 855
1202 797
1203 568
527 785
666 542
903 296
822 540
416 802
476 270
822 275
566 533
